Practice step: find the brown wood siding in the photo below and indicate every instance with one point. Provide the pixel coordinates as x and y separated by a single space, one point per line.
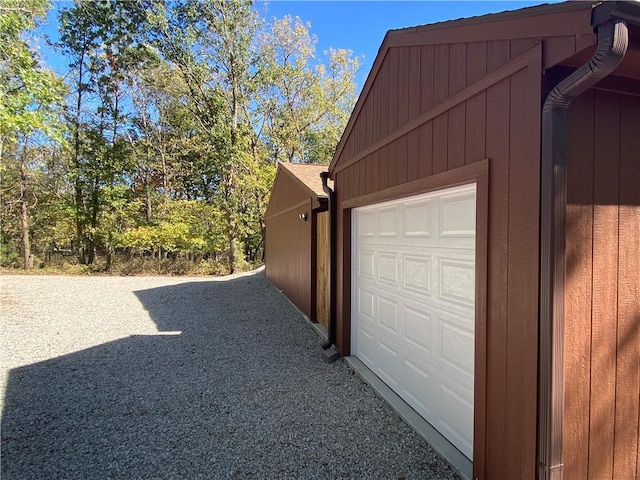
288 255
417 88
459 65
602 296
499 121
285 193
475 93
322 269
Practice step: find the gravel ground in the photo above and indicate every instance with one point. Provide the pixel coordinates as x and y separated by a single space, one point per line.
159 377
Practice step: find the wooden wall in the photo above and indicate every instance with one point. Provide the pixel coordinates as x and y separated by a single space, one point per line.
285 193
439 100
431 111
322 269
288 255
602 300
289 242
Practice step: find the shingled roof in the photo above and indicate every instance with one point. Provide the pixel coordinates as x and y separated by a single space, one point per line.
309 176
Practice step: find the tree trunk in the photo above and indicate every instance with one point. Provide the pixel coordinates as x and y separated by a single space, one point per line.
24 218
95 207
233 255
147 198
26 244
77 147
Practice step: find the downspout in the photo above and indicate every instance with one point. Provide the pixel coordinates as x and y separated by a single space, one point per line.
332 261
613 40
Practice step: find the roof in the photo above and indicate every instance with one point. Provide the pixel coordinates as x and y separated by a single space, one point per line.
308 175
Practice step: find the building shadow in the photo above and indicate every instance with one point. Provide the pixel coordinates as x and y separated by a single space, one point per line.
146 406
232 386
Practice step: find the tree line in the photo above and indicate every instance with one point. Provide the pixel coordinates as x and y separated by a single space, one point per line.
160 143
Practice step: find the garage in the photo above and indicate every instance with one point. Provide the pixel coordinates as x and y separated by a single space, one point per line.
514 353
413 309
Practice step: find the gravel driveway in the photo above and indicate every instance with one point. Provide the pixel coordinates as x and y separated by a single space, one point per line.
159 377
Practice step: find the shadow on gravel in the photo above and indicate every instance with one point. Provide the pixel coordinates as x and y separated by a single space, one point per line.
240 392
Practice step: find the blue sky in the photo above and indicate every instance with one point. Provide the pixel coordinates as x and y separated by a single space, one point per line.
359 26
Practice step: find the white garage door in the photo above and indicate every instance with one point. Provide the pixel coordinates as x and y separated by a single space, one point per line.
413 287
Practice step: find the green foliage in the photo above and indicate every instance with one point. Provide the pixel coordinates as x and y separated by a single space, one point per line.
176 115
27 89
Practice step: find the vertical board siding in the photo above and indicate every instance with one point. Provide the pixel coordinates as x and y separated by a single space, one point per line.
456 136
500 123
288 256
393 89
384 162
413 155
403 166
427 53
578 287
497 147
374 172
476 61
627 420
440 142
384 97
374 98
475 128
457 67
414 81
322 268
522 297
519 45
285 193
392 164
498 52
403 85
440 73
425 167
602 297
605 275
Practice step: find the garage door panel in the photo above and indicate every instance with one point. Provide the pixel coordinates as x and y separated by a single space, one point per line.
388 315
366 262
366 345
456 281
366 304
417 273
419 330
453 423
455 344
389 363
418 335
417 389
457 217
418 219
388 222
367 225
388 268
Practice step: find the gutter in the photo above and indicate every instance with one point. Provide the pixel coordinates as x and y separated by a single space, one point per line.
331 354
613 41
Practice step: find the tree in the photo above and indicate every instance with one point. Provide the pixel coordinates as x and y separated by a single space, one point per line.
305 102
29 94
213 52
101 41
